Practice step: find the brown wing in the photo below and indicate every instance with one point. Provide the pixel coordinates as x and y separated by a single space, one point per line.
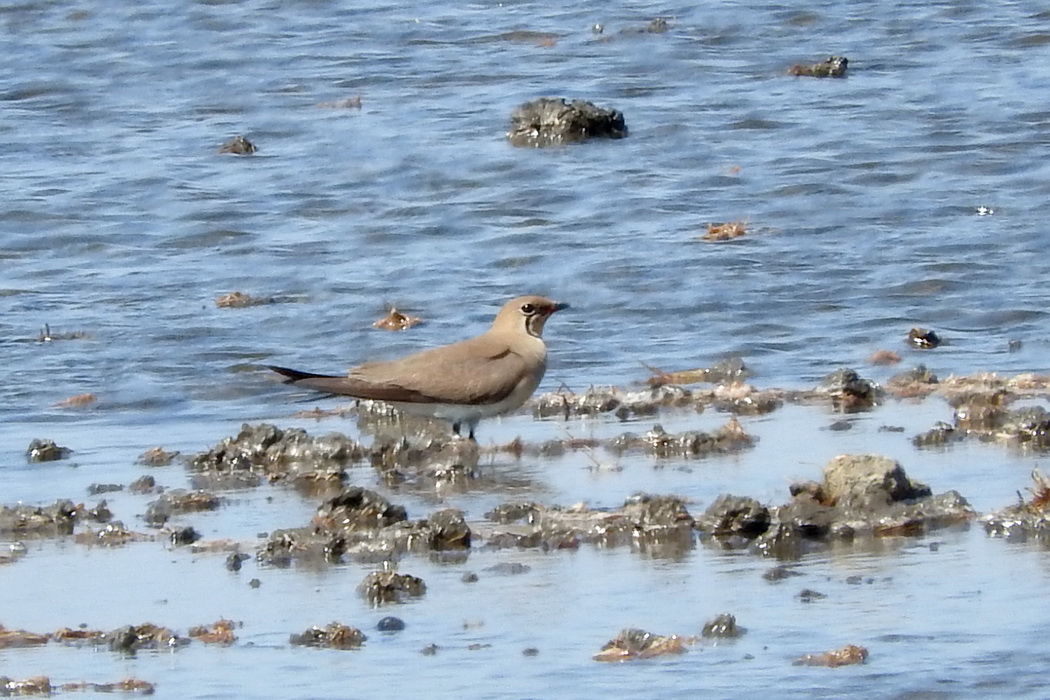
455 374
477 371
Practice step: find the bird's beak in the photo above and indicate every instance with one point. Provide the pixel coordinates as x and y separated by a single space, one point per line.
559 306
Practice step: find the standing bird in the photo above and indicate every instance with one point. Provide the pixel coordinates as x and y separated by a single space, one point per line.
488 375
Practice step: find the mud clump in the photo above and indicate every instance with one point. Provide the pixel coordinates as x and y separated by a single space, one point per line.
335 636
19 639
179 501
114 534
266 452
56 520
381 587
133 638
728 439
635 644
849 392
860 496
221 632
722 627
551 121
657 524
44 450
448 530
239 146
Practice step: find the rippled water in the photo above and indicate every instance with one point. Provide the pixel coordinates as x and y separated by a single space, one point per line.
121 220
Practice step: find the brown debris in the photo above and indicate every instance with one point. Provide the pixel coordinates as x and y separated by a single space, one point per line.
396 321
220 632
77 401
846 656
634 644
240 300
725 231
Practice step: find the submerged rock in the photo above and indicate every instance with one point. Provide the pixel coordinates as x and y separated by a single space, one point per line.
553 121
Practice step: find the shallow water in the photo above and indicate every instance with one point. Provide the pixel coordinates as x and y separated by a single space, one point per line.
121 220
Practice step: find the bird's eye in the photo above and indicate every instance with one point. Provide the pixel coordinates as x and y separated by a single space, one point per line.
528 309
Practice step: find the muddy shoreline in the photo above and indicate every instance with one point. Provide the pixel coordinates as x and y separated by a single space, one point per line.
857 500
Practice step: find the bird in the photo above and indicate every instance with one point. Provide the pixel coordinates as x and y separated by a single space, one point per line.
480 377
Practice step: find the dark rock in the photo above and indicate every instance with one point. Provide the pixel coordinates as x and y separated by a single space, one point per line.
553 121
391 624
96 489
